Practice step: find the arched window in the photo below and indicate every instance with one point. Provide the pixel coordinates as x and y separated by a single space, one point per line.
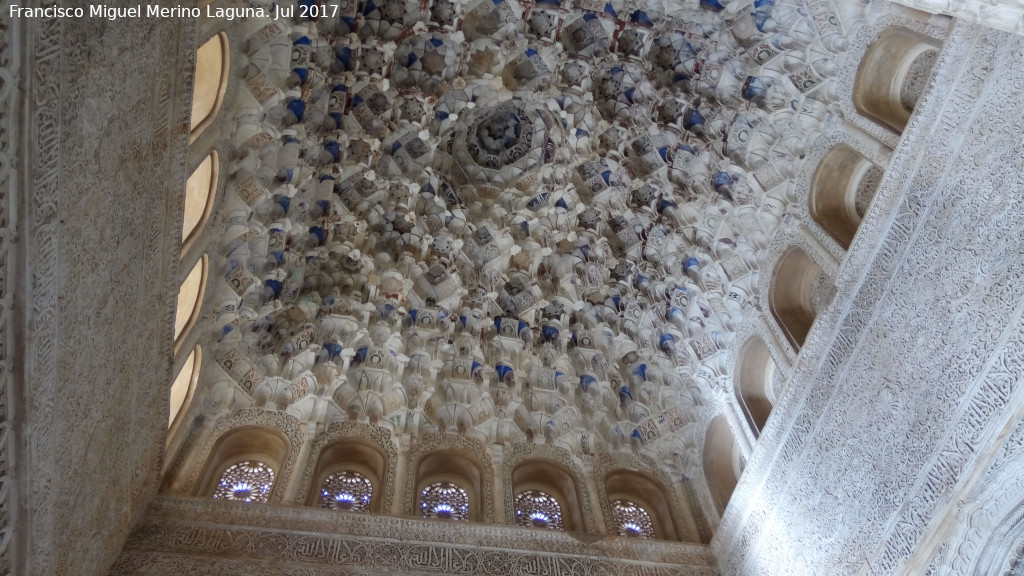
452 477
538 509
723 462
210 82
843 186
246 481
893 74
650 499
184 385
753 383
190 298
556 482
200 190
243 464
444 500
346 490
632 520
798 291
349 467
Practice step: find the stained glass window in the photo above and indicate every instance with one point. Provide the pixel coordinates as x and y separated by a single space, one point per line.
538 509
248 481
346 490
445 500
632 520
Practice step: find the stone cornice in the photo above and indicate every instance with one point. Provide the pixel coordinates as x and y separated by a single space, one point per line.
327 538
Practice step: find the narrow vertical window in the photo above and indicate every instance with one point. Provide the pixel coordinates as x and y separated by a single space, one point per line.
200 190
184 384
190 297
209 83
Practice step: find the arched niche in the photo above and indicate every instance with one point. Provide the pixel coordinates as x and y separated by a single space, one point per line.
183 387
723 462
190 299
893 74
647 492
351 454
243 444
797 291
558 482
752 383
453 458
842 188
457 467
210 81
346 434
200 191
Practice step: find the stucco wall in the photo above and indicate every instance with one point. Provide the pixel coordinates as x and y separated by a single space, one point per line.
103 114
908 384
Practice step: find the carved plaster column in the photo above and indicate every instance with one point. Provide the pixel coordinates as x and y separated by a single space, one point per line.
313 429
498 461
600 526
395 507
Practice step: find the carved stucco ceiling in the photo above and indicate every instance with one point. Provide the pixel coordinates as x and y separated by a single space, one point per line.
513 220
